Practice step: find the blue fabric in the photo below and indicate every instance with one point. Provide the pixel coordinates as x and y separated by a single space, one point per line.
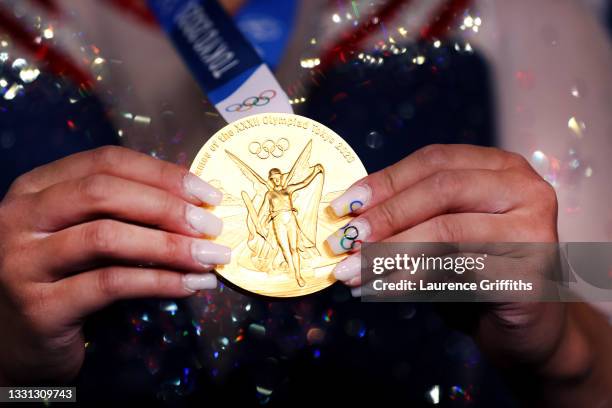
213 31
268 25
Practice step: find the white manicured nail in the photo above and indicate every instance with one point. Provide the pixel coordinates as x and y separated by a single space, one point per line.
348 269
208 253
356 292
203 221
350 237
199 281
201 190
352 200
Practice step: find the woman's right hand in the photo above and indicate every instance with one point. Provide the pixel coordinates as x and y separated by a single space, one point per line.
85 231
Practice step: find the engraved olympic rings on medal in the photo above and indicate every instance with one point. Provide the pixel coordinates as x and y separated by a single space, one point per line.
251 102
269 148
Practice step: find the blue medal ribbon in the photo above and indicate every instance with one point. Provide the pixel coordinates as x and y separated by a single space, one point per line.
222 60
267 24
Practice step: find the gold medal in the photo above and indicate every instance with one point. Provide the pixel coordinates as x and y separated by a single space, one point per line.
278 173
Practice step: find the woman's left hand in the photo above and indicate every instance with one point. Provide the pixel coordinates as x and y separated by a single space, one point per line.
459 194
451 193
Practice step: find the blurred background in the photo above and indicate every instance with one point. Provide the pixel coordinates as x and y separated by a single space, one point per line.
390 76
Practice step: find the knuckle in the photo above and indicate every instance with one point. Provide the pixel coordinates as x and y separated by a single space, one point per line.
20 185
159 283
107 157
447 184
171 174
94 188
389 180
446 231
168 204
171 246
433 155
109 282
101 236
548 196
516 160
386 215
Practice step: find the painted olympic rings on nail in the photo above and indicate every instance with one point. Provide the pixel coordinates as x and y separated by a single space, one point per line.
349 233
251 102
355 205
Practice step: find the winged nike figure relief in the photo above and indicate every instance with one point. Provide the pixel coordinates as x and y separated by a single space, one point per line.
282 214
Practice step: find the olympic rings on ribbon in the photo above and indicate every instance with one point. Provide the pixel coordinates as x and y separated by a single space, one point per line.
349 233
251 102
269 148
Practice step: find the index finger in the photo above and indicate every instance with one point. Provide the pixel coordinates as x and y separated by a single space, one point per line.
124 163
380 186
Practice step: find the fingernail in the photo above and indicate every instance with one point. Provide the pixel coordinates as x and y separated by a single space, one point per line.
198 281
201 190
350 237
348 269
356 292
203 221
209 253
351 200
